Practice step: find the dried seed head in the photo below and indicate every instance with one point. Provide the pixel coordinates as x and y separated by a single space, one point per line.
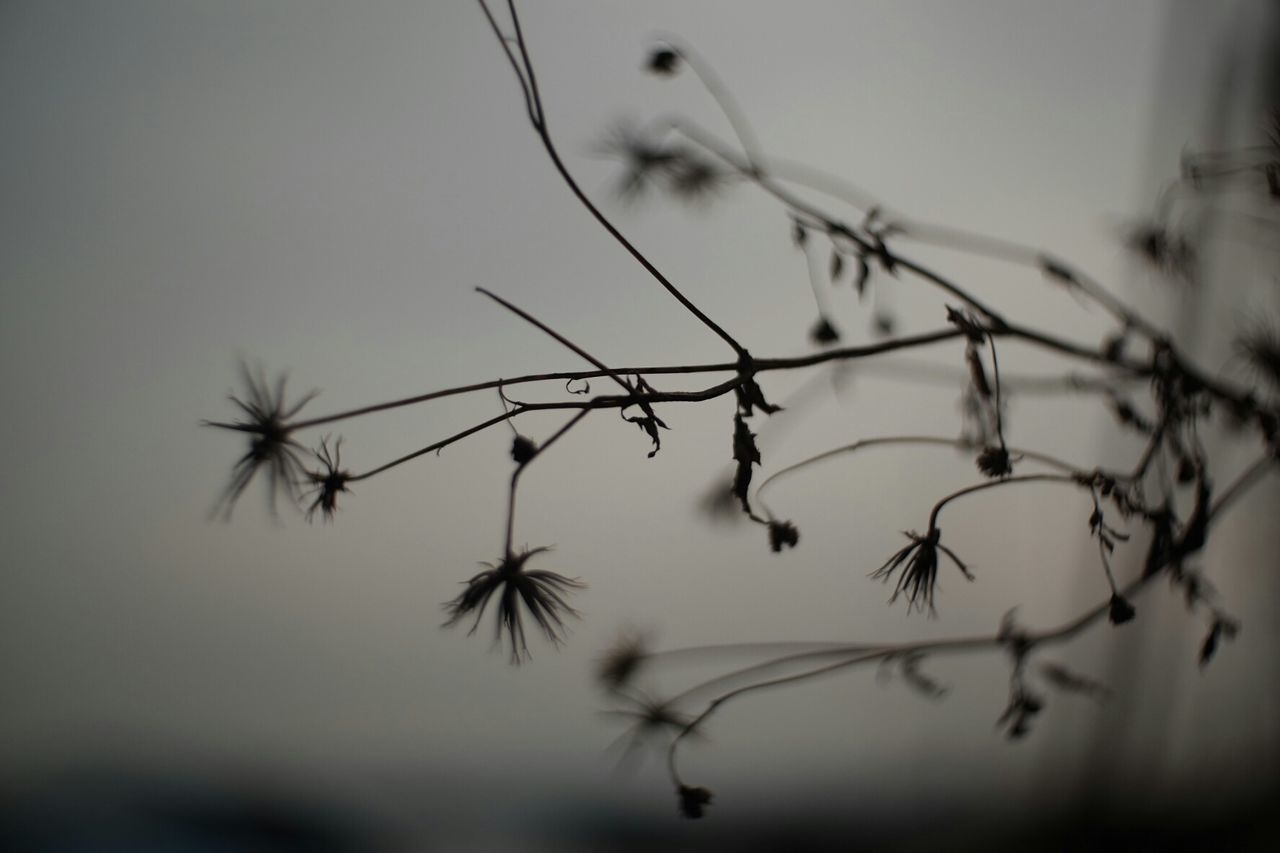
995 462
272 448
523 449
693 800
539 592
919 564
618 666
1166 251
328 482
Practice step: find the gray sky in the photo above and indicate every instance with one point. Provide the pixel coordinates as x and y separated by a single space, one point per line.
318 187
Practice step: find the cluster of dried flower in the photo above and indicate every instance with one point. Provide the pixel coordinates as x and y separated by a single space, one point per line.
691 165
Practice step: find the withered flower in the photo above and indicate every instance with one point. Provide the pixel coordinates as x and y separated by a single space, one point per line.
328 482
995 462
651 161
645 159
540 592
271 445
693 800
919 575
619 664
782 534
1166 251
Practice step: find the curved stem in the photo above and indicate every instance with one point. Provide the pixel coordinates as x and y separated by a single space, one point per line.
724 99
1062 633
931 234
938 441
991 484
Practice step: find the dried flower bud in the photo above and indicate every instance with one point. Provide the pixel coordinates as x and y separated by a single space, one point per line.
523 449
663 61
693 800
1120 611
782 534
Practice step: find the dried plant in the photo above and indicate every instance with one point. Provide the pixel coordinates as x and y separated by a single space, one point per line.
684 161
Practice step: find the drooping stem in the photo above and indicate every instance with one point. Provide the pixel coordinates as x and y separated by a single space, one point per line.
992 484
938 441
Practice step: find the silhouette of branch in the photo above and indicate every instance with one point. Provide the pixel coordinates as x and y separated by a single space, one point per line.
1172 463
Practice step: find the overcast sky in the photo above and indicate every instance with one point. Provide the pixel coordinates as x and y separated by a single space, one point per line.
318 187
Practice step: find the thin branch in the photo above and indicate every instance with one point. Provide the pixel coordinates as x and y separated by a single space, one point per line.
957 443
515 476
626 386
540 125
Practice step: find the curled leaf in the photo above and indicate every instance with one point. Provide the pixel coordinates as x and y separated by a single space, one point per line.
746 454
750 397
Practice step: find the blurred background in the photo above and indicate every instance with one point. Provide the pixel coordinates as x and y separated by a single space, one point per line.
317 188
